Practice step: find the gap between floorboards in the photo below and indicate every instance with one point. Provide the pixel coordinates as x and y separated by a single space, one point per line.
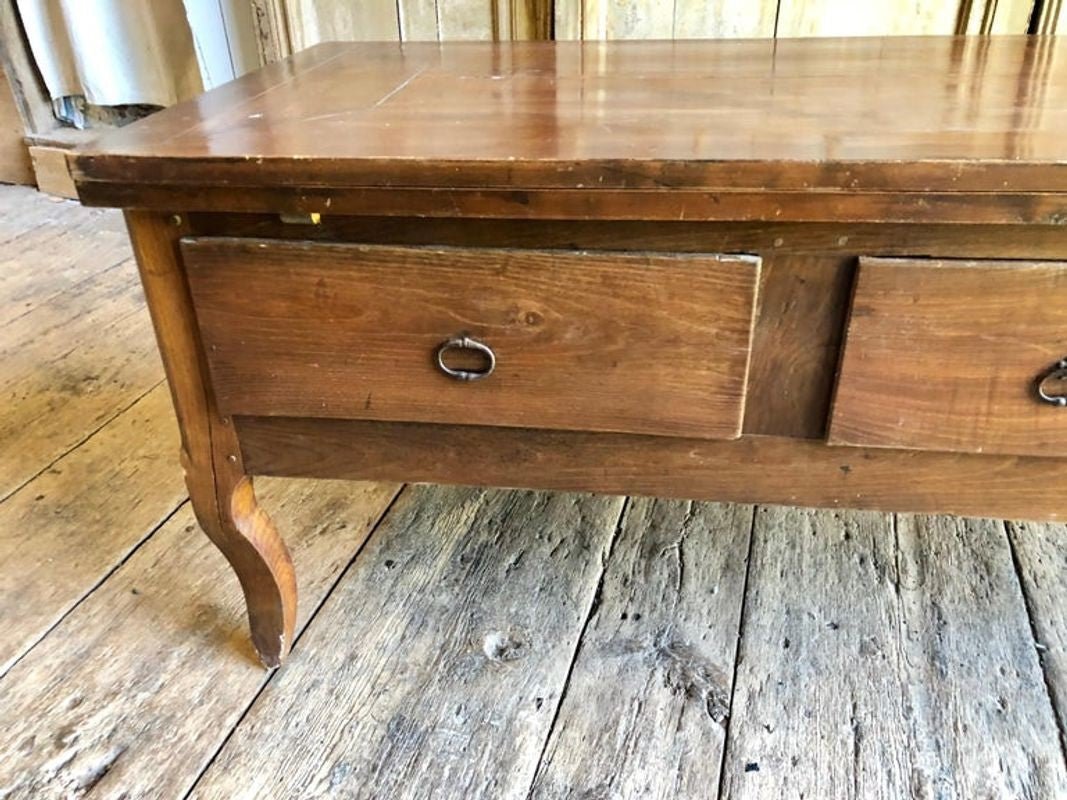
296 641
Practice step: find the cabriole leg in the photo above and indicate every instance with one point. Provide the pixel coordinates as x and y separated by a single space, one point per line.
220 491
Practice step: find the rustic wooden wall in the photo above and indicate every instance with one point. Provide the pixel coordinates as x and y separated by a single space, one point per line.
897 17
288 24
1052 17
648 19
313 21
14 155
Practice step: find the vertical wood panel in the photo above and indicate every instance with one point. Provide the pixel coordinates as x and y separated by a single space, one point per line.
418 20
472 20
239 17
733 19
14 156
994 16
31 97
314 21
532 19
628 19
1053 17
900 17
271 30
871 18
567 19
652 19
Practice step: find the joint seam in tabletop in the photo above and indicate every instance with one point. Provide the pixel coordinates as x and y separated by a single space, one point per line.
742 618
247 101
271 672
1050 688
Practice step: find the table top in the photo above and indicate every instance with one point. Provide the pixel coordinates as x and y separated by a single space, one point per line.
908 113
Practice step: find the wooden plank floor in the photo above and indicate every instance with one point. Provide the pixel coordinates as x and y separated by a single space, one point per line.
459 643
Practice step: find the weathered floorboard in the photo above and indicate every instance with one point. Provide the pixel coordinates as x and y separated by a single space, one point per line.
76 346
57 405
65 530
446 647
133 693
1041 556
646 705
48 248
882 663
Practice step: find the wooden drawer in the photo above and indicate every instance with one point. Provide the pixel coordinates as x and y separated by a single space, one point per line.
948 355
637 343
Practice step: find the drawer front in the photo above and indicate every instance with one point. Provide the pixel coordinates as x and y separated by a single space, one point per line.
637 343
949 355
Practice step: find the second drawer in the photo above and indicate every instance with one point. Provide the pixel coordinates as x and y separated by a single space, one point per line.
959 356
636 343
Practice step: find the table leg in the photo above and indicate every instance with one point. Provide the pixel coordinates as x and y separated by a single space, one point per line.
219 489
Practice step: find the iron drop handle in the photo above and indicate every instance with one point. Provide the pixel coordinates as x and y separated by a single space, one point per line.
465 342
1049 380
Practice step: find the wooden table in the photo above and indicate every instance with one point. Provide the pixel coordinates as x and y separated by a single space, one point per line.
825 272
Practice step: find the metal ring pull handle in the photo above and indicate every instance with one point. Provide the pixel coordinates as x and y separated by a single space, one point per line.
1048 380
465 342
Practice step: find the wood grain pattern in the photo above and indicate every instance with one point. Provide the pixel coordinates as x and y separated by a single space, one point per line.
589 341
805 278
139 686
945 355
751 469
886 661
29 92
314 21
50 170
530 114
735 19
477 599
220 491
557 204
995 16
648 699
693 19
1052 16
75 344
418 21
765 239
473 20
15 164
1040 552
802 307
882 17
872 18
631 19
77 520
271 30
